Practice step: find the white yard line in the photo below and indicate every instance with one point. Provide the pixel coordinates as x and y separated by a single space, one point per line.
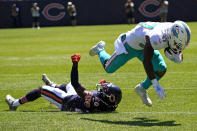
188 113
166 88
43 112
130 88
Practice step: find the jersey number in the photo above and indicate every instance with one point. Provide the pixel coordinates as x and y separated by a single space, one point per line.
145 25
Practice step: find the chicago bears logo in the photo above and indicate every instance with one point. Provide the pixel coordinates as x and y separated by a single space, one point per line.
144 5
51 17
112 98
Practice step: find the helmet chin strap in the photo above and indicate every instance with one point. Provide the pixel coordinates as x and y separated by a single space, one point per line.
177 50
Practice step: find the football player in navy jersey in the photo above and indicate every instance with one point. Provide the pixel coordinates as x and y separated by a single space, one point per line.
73 96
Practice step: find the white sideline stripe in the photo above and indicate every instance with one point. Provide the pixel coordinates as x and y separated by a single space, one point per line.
35 57
43 112
3 89
119 74
188 113
167 88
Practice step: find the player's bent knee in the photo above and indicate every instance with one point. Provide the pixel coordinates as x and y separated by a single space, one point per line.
39 88
161 74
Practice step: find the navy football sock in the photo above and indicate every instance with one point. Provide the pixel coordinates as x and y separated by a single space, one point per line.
31 96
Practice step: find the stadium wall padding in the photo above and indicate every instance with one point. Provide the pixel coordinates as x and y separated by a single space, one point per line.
94 12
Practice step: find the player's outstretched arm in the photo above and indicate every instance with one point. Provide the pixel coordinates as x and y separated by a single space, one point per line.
81 91
147 62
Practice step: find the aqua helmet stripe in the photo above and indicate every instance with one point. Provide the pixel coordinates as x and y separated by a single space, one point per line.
188 32
174 31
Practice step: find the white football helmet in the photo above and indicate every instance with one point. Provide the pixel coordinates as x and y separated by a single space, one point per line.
180 36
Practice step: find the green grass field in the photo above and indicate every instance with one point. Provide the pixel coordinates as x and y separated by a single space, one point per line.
26 54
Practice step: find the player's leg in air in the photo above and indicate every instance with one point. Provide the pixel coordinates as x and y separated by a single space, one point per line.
121 55
114 62
160 68
50 83
52 92
30 96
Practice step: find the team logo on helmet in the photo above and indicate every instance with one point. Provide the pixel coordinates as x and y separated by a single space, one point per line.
110 93
175 30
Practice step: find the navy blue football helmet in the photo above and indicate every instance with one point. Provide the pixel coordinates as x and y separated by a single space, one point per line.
110 93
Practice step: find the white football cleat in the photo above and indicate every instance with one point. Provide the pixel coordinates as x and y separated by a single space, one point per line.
94 50
46 80
10 100
143 95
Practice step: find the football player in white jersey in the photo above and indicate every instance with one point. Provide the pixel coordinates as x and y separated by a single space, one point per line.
143 42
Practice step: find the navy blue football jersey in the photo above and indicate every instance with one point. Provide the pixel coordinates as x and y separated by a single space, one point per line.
91 103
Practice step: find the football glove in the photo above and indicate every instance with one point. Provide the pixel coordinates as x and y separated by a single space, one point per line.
158 89
75 58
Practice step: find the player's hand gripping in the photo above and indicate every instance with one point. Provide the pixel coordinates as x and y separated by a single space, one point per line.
75 58
158 89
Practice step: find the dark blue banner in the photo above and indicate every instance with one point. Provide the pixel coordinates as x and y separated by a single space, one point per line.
91 12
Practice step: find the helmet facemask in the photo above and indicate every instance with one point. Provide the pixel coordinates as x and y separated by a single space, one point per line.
110 93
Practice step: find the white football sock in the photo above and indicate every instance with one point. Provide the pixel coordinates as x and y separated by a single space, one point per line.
16 103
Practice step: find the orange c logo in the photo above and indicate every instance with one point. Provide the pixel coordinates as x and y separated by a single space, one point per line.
57 17
144 11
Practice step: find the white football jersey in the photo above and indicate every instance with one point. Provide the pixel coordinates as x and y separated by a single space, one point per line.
159 34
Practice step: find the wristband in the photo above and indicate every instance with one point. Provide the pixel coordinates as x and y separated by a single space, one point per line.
154 82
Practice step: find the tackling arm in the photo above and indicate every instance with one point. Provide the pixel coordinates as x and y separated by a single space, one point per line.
81 91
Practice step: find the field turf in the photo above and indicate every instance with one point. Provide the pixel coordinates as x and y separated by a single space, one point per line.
25 54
